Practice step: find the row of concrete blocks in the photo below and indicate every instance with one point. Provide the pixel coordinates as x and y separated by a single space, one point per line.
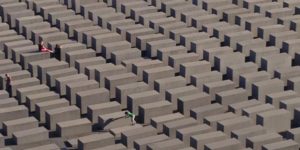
187 130
248 41
242 18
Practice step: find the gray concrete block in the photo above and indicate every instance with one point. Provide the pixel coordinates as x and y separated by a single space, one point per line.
288 144
224 145
11 7
12 16
31 135
56 115
260 89
256 142
167 144
12 126
213 119
73 127
145 18
190 68
141 144
62 81
186 103
108 48
229 125
122 91
128 137
32 99
212 88
125 54
43 69
23 92
223 61
95 141
162 85
281 120
184 134
208 110
75 87
113 120
27 28
139 67
252 111
12 113
51 76
96 109
242 134
60 22
99 40
8 102
177 59
276 39
81 64
16 75
210 53
86 98
36 33
150 75
231 96
10 46
198 141
198 80
42 107
149 110
158 121
72 56
275 98
22 83
238 107
137 99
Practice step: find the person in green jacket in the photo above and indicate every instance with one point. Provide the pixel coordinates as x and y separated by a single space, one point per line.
131 116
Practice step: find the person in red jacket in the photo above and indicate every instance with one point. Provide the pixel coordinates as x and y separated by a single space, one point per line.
42 48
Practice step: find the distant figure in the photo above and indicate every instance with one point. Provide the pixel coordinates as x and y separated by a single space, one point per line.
42 48
131 116
57 51
8 82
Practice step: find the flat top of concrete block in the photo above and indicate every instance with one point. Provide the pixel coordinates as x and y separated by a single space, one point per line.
167 117
235 120
151 139
274 112
44 147
139 131
53 102
270 135
119 130
13 108
75 122
104 105
281 144
167 143
248 130
93 91
30 132
20 121
207 107
180 122
62 109
155 104
194 128
208 135
132 85
223 143
95 137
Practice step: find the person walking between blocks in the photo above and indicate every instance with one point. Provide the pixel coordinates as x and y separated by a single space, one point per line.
131 116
